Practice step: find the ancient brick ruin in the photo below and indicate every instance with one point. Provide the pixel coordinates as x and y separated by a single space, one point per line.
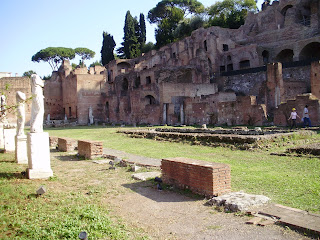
209 179
252 75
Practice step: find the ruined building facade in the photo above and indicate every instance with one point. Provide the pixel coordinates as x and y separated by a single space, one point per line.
252 75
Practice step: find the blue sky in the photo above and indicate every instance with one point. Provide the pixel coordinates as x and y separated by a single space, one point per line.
29 26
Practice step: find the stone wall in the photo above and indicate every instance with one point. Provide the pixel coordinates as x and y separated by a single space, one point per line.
9 86
205 178
282 113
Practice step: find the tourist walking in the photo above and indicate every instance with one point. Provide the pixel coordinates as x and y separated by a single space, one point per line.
306 117
293 117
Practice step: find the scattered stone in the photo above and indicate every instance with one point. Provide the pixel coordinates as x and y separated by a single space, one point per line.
266 222
145 175
123 163
83 235
135 168
41 190
238 201
204 126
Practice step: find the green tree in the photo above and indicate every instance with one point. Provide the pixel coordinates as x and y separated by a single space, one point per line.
54 56
28 73
142 31
186 26
230 13
130 45
167 15
96 63
84 53
108 45
148 47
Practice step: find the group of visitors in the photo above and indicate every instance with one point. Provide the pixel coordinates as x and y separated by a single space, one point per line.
306 118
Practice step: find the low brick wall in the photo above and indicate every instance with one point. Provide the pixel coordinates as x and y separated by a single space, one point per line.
90 149
53 141
205 178
67 144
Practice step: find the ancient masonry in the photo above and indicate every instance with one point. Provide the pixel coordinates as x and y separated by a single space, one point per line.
253 75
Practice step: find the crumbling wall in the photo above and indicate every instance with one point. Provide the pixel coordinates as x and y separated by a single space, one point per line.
9 87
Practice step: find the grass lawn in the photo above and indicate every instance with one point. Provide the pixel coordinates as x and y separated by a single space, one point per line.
288 180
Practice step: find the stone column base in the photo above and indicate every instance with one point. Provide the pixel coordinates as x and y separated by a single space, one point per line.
38 156
9 142
21 149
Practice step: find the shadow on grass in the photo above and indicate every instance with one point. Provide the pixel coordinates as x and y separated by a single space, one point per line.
16 175
149 190
71 158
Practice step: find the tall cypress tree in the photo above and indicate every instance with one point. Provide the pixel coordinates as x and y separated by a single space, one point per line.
107 49
142 31
131 46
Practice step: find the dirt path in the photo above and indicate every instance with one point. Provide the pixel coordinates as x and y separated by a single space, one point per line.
160 214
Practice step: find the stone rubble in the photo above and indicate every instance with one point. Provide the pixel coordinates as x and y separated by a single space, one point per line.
238 201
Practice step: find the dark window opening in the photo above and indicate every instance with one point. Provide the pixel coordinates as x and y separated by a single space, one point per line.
230 67
151 100
174 55
265 56
285 55
125 84
229 58
148 80
69 111
222 69
137 82
205 45
244 64
225 47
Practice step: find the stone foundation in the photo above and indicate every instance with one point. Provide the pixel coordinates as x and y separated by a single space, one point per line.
67 144
205 178
90 149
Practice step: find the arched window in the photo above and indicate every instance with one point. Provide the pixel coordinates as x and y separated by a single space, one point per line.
285 55
150 100
310 51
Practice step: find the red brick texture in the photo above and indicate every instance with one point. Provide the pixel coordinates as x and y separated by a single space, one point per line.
90 149
67 144
209 179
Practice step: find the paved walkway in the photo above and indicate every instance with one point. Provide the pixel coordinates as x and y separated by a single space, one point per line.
131 158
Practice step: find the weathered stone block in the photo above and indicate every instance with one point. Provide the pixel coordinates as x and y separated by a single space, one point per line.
67 144
90 149
53 141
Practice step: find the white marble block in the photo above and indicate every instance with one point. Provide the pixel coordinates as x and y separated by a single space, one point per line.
39 156
9 142
21 149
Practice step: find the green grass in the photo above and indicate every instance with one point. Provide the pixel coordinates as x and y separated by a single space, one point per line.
289 180
58 214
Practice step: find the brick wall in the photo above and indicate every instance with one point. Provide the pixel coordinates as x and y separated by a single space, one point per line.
90 149
67 144
205 178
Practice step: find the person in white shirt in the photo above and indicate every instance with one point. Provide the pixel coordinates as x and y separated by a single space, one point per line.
293 117
306 118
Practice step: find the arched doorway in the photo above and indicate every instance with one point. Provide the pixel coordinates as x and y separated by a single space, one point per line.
310 52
